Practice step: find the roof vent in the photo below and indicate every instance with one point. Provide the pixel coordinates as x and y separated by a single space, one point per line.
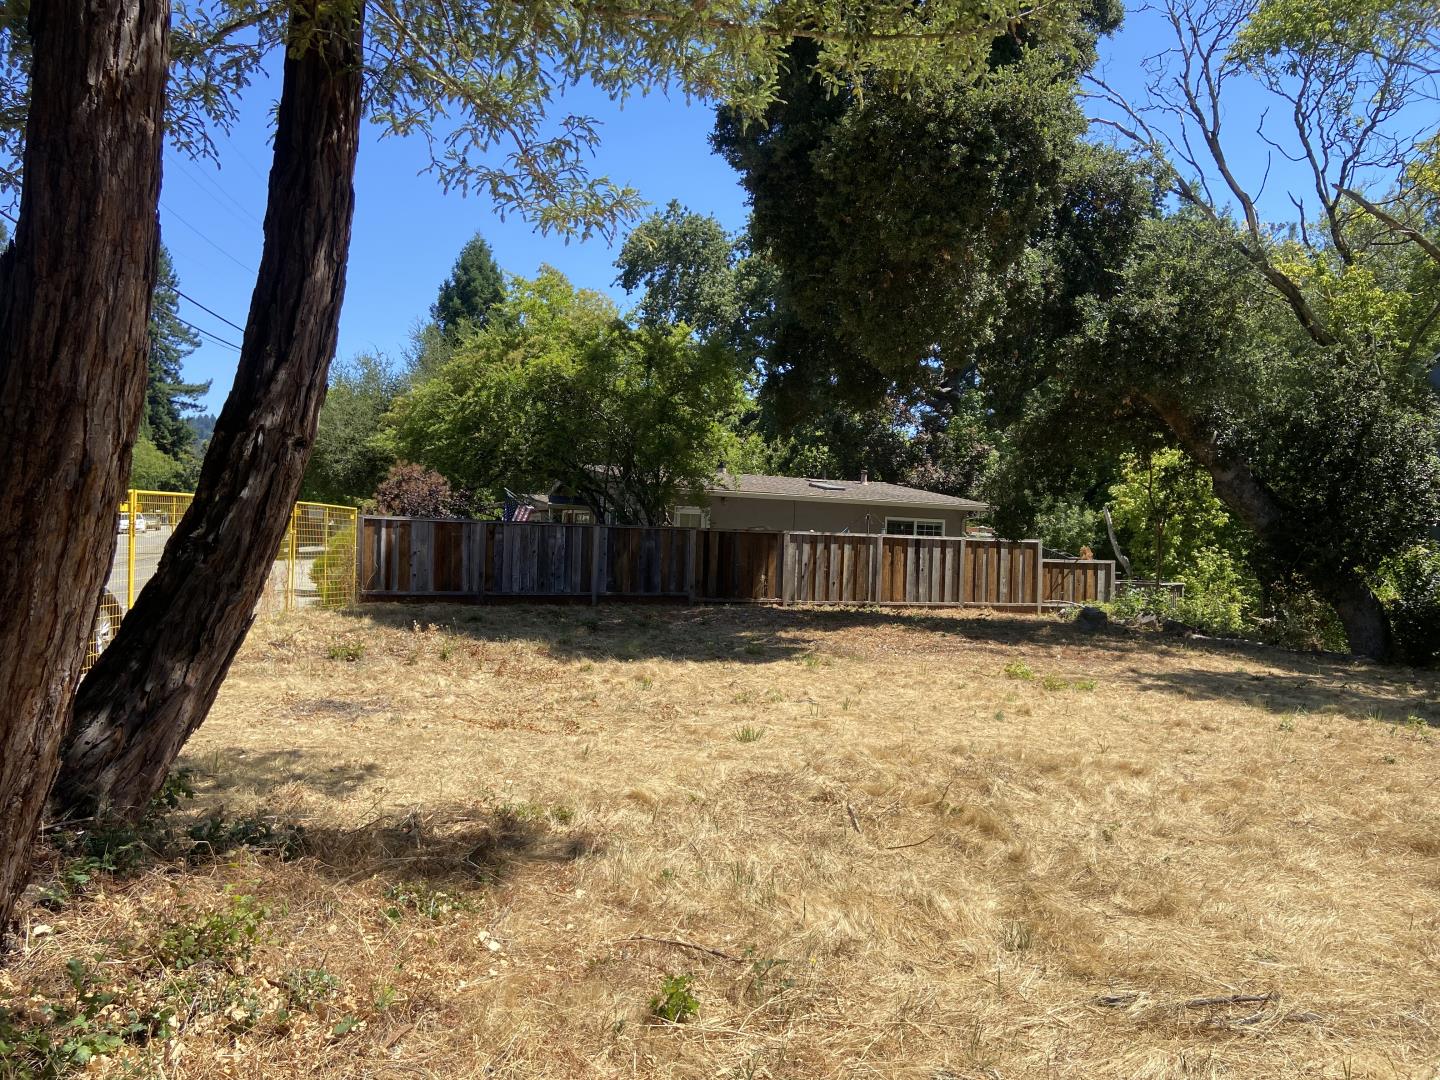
826 485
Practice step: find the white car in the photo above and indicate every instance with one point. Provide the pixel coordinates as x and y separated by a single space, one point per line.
141 524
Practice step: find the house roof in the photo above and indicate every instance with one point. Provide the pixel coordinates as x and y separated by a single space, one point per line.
755 485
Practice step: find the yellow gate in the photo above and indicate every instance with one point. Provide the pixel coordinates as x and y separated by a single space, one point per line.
315 566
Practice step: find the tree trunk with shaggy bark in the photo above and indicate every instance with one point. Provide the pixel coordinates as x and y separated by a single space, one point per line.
75 291
1367 626
156 682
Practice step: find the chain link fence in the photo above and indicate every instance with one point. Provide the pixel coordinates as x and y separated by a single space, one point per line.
315 566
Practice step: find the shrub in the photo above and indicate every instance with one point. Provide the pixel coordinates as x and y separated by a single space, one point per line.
221 939
415 491
1409 586
333 572
45 1036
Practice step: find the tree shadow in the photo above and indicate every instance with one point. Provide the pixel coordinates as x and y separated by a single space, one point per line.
235 769
766 633
483 845
1388 694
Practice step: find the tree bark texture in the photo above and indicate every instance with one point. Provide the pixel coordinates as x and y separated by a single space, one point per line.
155 683
75 289
1367 626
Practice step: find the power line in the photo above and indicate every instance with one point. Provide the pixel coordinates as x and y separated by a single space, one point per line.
211 186
208 311
207 239
206 333
199 330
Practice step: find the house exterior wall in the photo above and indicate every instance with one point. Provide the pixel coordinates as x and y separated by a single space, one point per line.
803 515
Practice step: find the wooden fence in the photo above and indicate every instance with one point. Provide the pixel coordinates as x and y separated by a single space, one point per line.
477 560
1079 581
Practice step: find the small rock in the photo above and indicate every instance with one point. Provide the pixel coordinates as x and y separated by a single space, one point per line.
1092 618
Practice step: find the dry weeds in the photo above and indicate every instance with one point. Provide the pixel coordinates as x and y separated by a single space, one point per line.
1151 859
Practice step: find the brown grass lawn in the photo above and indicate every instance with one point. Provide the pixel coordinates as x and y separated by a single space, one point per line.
882 844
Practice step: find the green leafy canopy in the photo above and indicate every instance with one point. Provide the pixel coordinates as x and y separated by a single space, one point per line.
558 389
483 84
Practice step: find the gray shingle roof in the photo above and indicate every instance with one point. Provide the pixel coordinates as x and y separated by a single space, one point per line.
849 491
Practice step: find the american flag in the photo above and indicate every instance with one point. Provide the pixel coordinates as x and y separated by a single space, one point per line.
518 513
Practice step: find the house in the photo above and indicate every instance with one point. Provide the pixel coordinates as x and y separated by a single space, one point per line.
800 504
797 504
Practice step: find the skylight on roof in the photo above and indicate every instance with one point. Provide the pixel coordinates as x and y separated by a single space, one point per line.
825 485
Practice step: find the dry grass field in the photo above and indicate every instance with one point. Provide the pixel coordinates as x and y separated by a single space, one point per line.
880 844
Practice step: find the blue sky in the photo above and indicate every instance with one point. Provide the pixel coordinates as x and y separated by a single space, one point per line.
407 231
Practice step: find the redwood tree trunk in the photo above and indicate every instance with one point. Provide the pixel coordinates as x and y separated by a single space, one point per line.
1367 626
74 307
157 680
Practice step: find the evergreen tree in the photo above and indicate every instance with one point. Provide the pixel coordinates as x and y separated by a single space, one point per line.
475 285
167 396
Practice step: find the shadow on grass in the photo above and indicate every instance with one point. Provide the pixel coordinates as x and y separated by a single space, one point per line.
235 769
1389 695
764 634
476 844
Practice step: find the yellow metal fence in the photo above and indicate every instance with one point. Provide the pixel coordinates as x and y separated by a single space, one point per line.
315 566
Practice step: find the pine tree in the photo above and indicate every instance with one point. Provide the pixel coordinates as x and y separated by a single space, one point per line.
475 285
167 396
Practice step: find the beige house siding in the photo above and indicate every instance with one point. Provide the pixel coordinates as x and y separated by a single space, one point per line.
801 515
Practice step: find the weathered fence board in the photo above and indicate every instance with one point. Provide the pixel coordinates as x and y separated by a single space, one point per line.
1079 581
416 557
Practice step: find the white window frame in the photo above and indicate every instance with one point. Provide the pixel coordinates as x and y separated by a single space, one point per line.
702 511
915 524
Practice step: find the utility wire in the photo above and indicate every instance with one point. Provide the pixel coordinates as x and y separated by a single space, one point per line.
206 333
208 311
207 239
211 186
199 330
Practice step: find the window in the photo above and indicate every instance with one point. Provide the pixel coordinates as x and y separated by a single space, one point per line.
576 517
914 527
690 517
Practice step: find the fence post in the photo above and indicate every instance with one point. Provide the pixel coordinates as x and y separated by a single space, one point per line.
482 549
294 548
780 557
596 537
692 538
130 550
964 577
1039 576
877 576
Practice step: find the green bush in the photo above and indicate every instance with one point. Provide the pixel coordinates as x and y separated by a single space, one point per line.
1221 597
1409 586
333 572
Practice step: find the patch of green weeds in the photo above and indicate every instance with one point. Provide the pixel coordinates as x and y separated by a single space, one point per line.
767 978
748 734
348 651
1018 669
44 1038
424 900
222 938
675 1003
